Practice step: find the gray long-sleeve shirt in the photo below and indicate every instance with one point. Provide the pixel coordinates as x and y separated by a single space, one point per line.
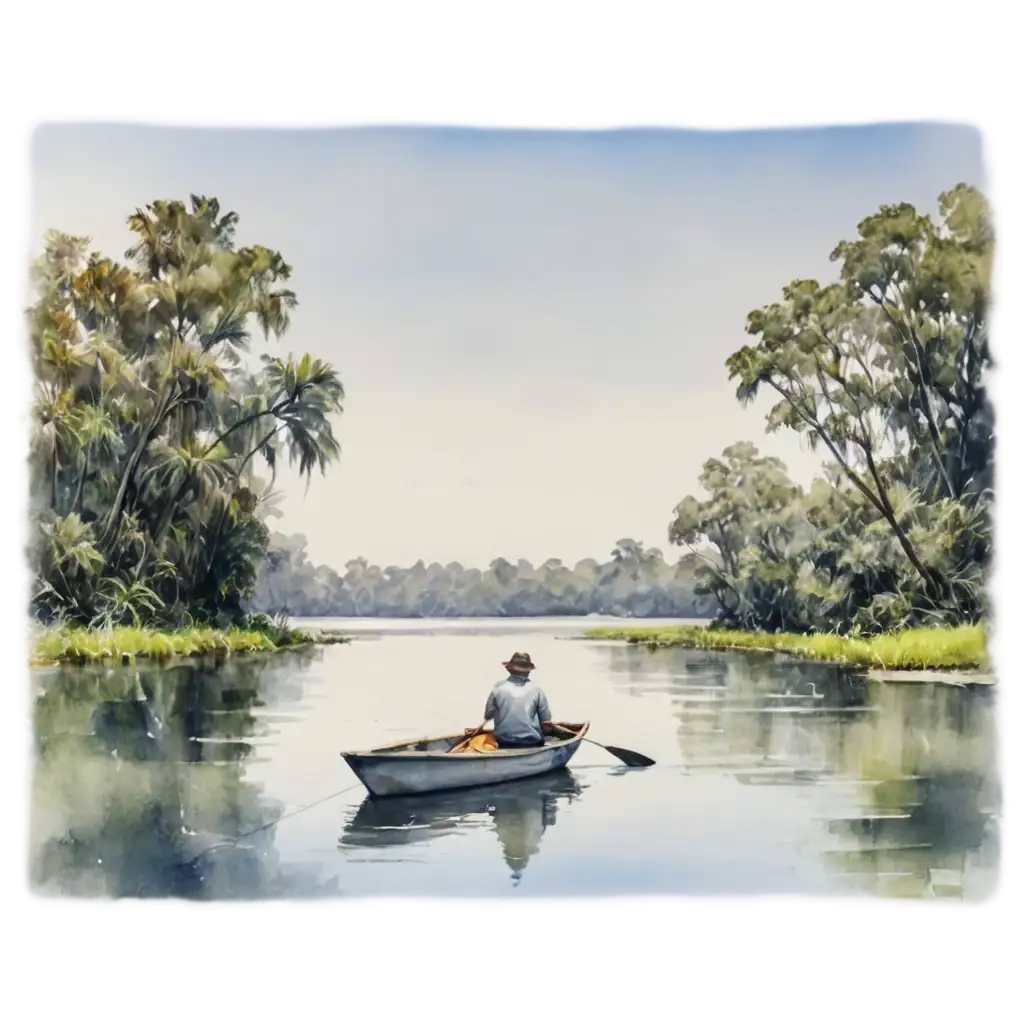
518 706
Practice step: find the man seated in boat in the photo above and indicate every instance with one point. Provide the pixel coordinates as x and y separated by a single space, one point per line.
518 706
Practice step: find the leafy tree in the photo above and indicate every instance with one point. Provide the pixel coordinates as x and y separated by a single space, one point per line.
149 426
886 370
746 534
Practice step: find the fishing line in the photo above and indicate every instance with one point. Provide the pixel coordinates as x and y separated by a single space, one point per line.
234 840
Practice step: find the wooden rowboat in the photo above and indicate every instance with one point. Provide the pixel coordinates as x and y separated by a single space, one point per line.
427 765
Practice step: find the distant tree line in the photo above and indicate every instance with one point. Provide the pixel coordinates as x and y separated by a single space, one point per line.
635 582
886 372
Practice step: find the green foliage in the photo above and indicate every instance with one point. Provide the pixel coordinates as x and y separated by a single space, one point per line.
84 644
149 427
78 643
885 371
960 647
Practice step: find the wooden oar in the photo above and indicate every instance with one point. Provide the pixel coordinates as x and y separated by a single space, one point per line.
630 758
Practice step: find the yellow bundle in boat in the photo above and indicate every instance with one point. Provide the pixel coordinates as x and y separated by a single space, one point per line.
482 743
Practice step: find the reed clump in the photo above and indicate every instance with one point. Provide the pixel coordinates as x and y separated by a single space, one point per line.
938 648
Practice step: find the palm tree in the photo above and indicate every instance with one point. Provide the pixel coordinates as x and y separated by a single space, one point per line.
147 422
293 406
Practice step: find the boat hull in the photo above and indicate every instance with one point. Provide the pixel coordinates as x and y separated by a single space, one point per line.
401 772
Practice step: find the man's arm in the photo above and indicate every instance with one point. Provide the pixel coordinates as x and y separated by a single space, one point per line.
491 707
543 711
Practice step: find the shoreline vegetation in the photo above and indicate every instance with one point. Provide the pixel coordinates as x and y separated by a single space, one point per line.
158 431
962 648
884 371
77 645
959 648
882 563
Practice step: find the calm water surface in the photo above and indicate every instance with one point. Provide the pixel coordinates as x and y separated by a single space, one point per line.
771 776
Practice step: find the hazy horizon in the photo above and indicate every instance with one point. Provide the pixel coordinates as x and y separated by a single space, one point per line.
531 326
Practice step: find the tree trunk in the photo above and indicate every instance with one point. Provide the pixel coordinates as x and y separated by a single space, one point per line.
167 516
80 492
935 586
164 406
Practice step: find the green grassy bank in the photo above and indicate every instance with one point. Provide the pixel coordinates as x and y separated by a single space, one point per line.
124 643
961 647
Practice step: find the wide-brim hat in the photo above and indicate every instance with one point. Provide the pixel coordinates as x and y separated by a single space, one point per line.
519 662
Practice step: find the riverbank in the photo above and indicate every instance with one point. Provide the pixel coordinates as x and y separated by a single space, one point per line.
76 645
956 648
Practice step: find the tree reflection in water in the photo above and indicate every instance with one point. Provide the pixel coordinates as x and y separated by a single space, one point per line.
139 781
912 765
519 813
926 813
142 779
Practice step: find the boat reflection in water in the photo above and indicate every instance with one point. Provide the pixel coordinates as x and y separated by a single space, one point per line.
519 812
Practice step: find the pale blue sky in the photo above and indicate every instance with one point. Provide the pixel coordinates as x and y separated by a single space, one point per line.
531 326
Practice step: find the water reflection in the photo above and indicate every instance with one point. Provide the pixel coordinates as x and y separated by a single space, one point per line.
794 778
139 785
906 773
916 837
518 812
760 720
924 816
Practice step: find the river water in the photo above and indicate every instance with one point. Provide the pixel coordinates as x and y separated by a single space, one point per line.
771 776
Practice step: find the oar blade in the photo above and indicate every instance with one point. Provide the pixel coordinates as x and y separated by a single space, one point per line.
630 758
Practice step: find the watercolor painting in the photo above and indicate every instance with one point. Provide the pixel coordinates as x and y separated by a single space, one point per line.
460 513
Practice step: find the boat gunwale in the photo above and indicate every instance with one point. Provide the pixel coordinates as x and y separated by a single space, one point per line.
389 752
